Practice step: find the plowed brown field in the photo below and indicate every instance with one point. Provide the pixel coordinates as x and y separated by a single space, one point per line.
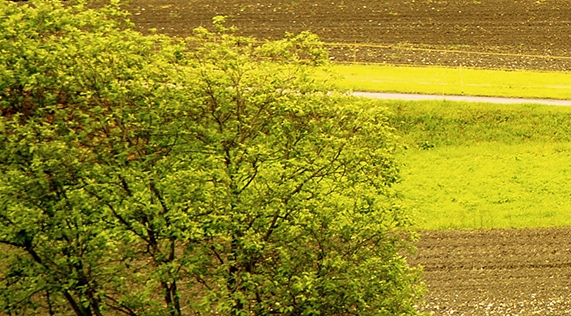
510 34
497 272
502 272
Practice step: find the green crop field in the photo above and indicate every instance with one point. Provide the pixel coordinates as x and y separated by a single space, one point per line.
453 81
472 165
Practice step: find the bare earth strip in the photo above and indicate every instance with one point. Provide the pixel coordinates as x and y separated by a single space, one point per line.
515 34
424 97
497 272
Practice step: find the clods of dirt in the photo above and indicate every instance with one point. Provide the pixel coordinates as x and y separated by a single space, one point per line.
496 272
515 34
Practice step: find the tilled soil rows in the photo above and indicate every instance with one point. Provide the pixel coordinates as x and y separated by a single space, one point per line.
508 34
496 272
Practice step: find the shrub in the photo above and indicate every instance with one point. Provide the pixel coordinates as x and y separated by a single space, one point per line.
143 175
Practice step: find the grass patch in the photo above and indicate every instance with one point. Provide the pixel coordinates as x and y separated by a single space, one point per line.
453 81
439 123
473 165
489 186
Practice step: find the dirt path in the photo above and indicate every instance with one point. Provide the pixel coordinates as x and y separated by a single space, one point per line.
497 272
420 97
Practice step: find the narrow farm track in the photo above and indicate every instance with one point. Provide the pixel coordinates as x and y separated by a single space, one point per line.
421 97
497 272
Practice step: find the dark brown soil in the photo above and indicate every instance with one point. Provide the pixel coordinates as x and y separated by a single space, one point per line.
481 33
497 272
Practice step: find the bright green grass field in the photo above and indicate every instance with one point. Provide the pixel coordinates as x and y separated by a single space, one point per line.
453 81
483 165
489 186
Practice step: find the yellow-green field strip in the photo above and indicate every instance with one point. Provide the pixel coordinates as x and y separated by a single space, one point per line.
452 81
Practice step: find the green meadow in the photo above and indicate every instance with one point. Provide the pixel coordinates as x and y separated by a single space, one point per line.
472 165
454 81
467 165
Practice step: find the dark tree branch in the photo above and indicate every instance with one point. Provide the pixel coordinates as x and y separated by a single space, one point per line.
120 307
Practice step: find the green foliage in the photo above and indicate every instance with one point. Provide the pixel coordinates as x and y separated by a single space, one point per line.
143 175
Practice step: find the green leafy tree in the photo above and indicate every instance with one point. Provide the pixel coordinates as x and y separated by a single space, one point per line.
143 175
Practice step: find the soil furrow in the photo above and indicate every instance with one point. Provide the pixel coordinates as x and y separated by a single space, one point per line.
523 27
486 271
